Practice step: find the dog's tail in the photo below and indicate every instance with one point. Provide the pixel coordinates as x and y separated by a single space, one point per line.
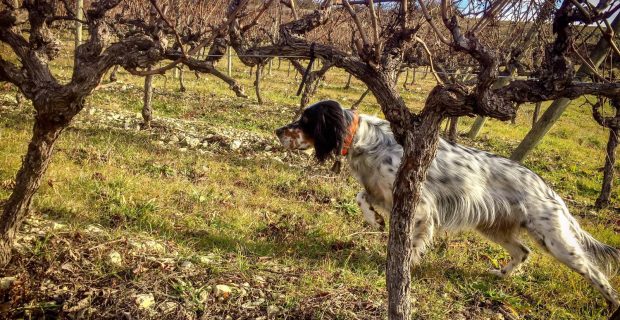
605 256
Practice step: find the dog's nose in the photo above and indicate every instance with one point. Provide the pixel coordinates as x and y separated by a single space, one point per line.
279 131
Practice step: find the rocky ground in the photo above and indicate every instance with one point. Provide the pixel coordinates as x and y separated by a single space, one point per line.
90 273
172 133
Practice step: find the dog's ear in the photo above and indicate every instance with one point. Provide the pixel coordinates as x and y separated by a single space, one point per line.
330 129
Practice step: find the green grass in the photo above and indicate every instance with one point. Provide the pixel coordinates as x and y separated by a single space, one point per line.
299 215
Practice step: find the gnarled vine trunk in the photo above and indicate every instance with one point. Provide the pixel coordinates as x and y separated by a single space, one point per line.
113 76
182 87
359 101
312 82
536 112
27 182
348 84
257 79
419 148
608 173
453 129
147 108
613 124
419 136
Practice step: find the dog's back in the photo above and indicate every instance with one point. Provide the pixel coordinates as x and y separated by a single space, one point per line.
471 188
464 187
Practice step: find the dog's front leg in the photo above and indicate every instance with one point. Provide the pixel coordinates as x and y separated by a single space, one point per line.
423 232
370 214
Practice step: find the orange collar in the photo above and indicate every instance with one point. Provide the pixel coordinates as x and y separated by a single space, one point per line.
355 123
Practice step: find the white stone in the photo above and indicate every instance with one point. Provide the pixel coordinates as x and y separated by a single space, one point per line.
154 246
167 307
202 295
222 291
136 245
67 267
57 226
94 229
272 309
144 301
192 142
236 144
186 265
115 259
204 260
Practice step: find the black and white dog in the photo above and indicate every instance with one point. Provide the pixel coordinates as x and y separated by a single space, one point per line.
464 189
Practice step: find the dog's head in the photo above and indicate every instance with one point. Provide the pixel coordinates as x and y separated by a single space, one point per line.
322 125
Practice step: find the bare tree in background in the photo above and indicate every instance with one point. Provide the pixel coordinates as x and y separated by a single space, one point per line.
514 65
312 81
147 107
257 78
187 26
590 62
613 124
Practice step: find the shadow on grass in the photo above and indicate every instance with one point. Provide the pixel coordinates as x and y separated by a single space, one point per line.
311 248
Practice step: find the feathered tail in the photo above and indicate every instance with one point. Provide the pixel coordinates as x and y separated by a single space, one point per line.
605 256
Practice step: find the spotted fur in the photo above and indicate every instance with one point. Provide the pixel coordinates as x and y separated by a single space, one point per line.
465 189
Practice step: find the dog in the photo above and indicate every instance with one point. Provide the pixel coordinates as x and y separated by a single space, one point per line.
465 188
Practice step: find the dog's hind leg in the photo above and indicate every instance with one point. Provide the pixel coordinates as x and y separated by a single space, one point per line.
517 250
555 235
370 214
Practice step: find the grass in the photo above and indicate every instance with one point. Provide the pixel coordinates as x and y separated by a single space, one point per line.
262 211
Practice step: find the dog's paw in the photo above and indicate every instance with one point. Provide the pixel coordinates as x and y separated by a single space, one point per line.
379 222
498 273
